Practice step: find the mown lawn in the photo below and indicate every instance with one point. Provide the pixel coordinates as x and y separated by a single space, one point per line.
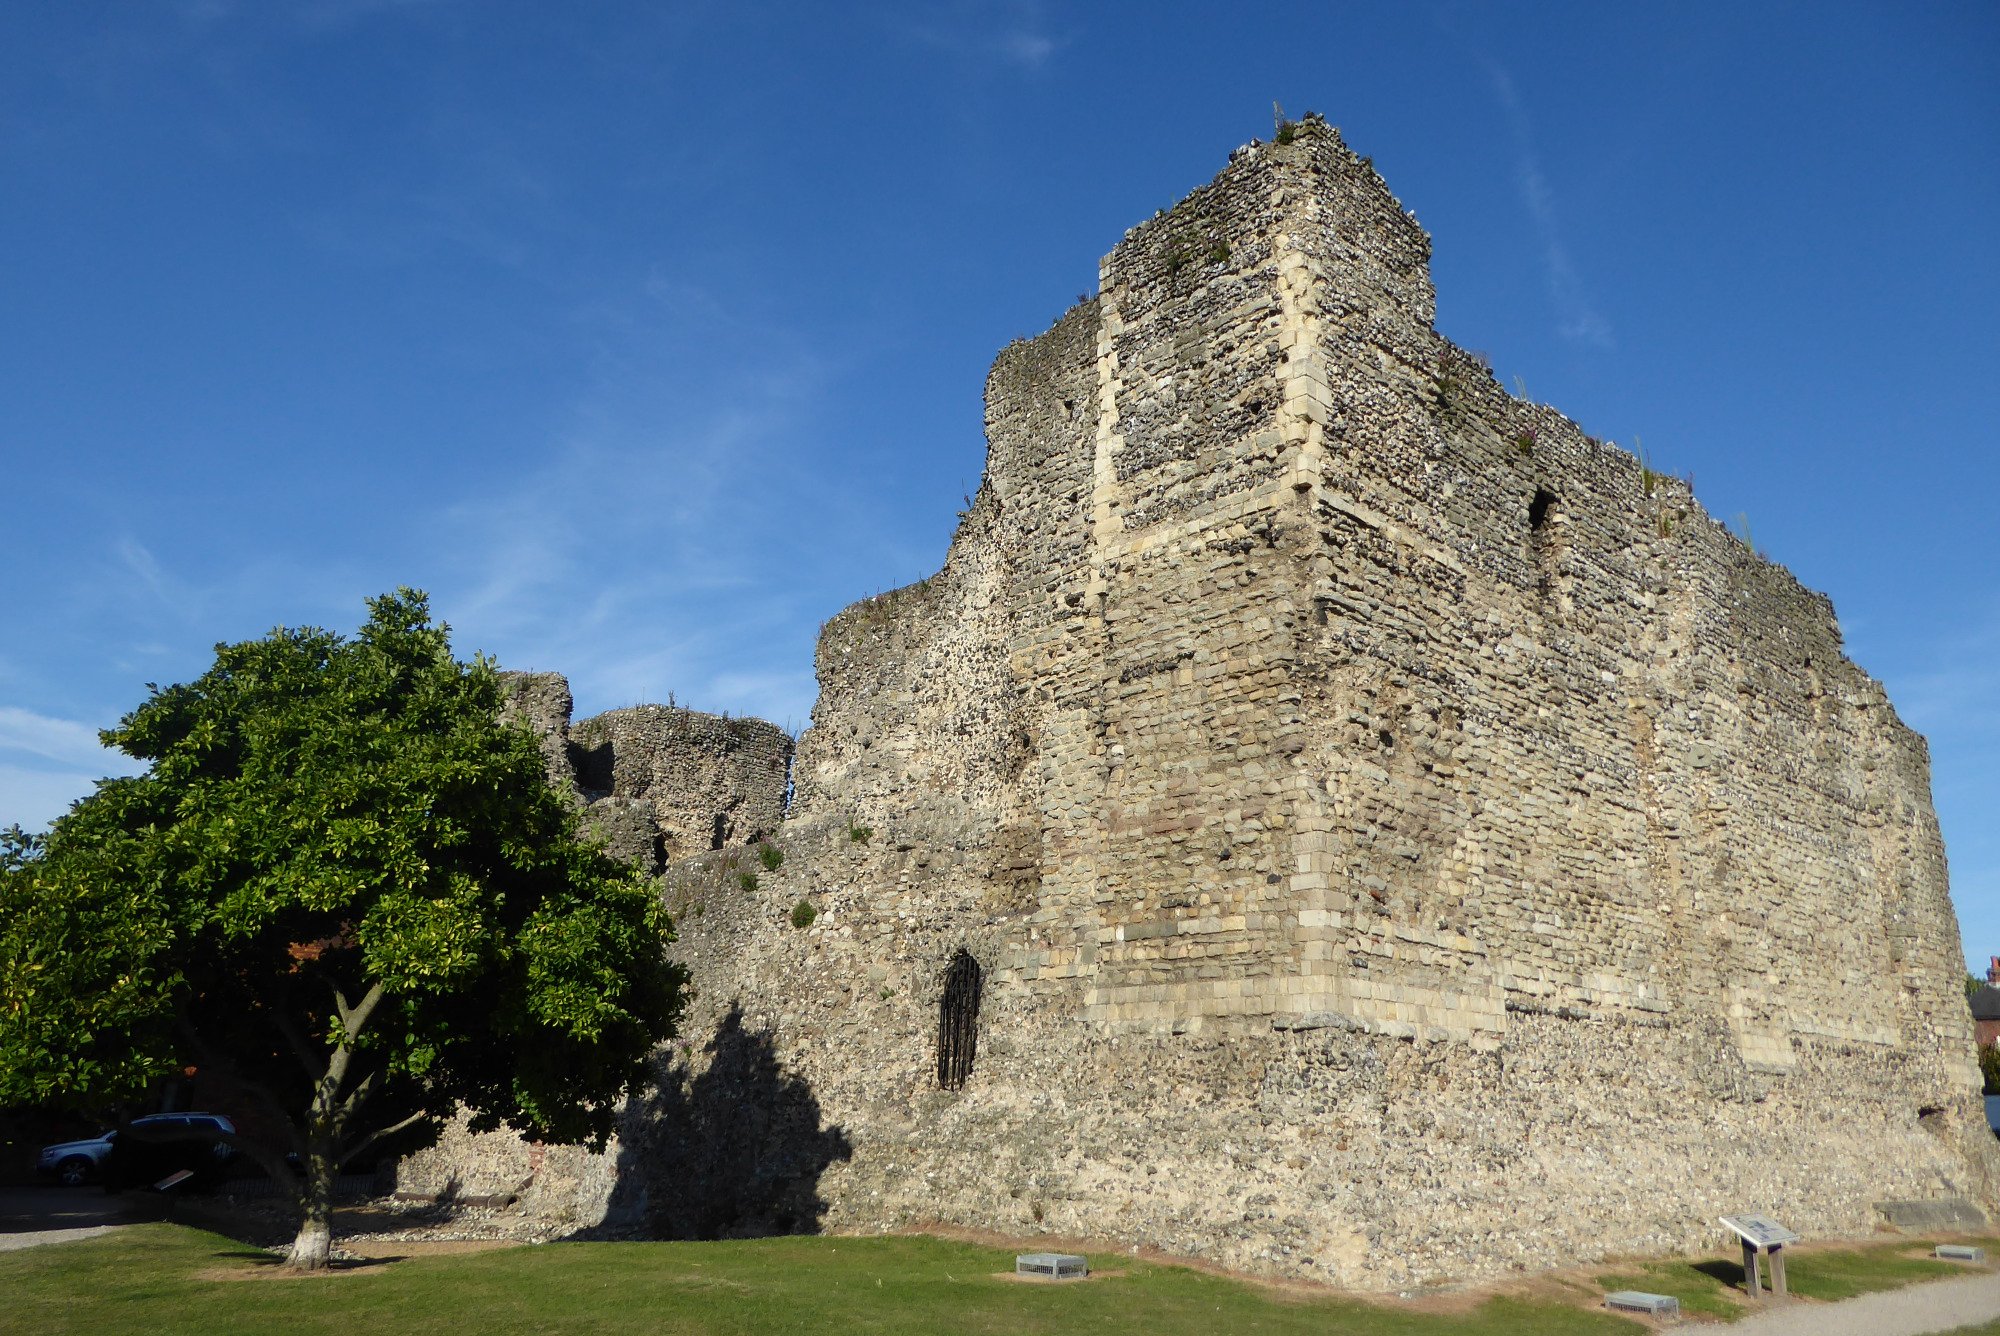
1710 1287
168 1278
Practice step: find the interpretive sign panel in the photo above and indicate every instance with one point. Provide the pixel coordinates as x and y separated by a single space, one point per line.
1760 1231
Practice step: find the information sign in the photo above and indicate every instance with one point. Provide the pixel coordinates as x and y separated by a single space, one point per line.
1760 1231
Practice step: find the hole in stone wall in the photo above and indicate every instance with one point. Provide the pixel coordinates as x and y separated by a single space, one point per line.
958 1020
1539 508
593 766
1543 540
718 832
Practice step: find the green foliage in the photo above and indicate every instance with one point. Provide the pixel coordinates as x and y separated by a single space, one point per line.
803 914
345 881
1989 1069
859 834
1743 534
1649 481
83 1017
747 880
1218 253
1448 400
771 856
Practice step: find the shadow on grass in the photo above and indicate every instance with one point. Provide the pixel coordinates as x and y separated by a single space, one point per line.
1728 1274
733 1151
271 1264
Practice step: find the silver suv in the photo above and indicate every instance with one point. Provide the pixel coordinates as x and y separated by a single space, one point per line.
73 1163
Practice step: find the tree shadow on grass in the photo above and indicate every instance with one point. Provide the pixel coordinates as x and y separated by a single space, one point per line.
261 1263
734 1149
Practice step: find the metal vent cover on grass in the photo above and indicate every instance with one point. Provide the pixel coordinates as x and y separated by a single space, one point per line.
1053 1266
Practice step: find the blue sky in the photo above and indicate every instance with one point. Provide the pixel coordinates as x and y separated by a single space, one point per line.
646 336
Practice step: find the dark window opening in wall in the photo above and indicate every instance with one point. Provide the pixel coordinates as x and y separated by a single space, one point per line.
958 1020
1539 508
1542 539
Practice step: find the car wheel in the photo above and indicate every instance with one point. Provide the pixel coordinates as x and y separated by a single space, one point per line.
73 1172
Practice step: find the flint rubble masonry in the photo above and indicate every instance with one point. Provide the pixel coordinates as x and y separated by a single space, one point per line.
1404 839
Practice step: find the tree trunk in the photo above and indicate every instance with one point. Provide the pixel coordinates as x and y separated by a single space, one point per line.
312 1248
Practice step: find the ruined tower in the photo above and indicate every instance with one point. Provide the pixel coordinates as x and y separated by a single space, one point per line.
1398 835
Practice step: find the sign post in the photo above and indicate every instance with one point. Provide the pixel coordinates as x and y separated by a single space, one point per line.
1762 1234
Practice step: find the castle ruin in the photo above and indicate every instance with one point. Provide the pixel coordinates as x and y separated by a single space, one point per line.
1396 836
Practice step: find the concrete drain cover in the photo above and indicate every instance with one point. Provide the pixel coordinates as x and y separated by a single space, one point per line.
1051 1266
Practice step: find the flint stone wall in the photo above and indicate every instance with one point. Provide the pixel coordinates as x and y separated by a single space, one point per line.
656 782
1405 838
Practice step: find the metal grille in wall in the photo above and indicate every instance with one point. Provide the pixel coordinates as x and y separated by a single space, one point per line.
958 1019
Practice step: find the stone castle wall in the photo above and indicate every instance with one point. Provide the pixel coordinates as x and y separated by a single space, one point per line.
656 782
1404 838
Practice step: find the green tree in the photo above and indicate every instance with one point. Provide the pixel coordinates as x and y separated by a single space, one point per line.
346 883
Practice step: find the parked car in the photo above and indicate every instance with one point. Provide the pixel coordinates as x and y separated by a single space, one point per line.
1993 1113
143 1151
73 1163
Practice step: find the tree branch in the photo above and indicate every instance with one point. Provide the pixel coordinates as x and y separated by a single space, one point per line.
213 1057
288 1030
352 1019
357 1096
382 1134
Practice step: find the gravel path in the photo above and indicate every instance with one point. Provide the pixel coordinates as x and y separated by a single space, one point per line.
31 1238
1938 1305
35 1215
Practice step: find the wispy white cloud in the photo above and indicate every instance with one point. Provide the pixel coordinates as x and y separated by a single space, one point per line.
1007 33
783 697
647 554
1577 316
31 799
47 763
145 571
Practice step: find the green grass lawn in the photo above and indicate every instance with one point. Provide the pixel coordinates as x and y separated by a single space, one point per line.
169 1278
166 1278
1713 1287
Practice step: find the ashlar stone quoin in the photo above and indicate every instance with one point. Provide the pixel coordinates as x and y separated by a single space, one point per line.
1401 837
